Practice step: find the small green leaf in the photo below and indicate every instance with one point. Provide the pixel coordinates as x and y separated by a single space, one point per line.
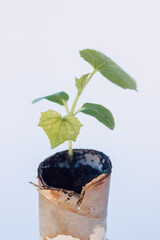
59 129
59 98
81 82
99 112
108 68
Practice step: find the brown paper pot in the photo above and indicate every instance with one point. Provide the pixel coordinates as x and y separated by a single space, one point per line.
74 212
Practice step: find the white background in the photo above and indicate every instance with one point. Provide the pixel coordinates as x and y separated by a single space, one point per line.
39 44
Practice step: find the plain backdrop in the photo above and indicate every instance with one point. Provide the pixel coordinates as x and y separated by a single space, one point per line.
39 55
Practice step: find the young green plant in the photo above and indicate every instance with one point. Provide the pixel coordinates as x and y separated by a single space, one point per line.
60 129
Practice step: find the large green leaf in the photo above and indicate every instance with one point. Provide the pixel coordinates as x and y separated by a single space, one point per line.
108 68
81 82
99 112
60 98
59 129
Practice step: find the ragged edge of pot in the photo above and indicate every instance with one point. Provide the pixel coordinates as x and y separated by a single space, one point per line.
98 233
93 199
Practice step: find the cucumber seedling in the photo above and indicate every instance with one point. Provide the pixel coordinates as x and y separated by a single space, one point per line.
60 129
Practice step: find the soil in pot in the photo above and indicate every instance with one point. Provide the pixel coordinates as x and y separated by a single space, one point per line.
56 171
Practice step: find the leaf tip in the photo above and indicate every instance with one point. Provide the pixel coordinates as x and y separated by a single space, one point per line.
113 127
136 89
135 86
34 101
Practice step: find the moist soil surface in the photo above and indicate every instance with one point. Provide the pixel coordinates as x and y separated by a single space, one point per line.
70 178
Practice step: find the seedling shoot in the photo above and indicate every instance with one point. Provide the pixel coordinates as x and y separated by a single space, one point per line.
60 129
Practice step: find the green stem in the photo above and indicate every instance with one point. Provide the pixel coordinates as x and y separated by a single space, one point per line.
94 71
70 150
77 111
75 103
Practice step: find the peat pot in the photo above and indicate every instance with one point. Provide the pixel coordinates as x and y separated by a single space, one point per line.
73 197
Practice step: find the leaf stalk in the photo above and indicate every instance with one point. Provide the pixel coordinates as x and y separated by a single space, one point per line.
66 106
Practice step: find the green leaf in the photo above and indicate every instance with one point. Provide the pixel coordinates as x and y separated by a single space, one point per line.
59 129
99 112
81 82
108 68
60 98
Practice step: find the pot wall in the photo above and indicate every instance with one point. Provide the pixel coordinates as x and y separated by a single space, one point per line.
66 215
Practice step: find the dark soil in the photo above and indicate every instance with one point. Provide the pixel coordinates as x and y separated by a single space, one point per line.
56 171
70 179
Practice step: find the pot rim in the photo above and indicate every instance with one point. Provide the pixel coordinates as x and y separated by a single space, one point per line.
94 193
107 171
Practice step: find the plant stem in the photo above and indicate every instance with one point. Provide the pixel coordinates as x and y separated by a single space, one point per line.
75 103
70 150
94 71
77 111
